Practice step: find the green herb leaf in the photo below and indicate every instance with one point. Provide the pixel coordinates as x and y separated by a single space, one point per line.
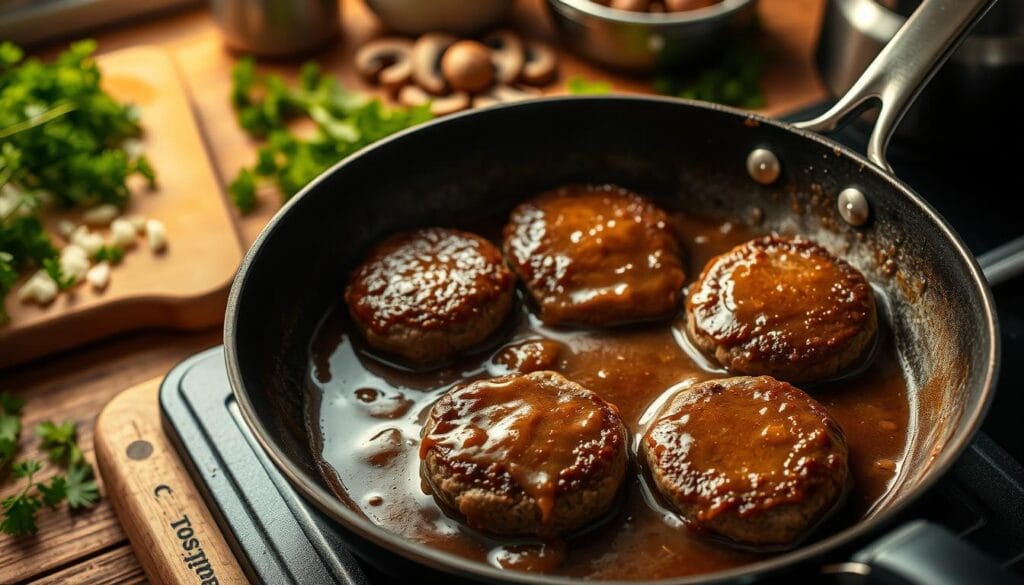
10 54
19 510
19 515
734 79
55 492
243 191
10 404
111 254
345 122
578 85
82 490
59 442
26 468
52 267
10 427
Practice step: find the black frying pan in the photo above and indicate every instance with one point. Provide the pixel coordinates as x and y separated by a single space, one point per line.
688 156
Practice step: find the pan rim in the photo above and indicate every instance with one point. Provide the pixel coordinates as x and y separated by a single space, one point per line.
359 525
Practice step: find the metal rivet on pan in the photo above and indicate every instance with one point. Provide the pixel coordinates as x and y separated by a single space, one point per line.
763 166
853 206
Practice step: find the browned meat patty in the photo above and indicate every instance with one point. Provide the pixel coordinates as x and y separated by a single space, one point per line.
428 294
784 307
752 459
534 454
596 256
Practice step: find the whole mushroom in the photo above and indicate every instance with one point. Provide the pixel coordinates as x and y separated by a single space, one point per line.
466 66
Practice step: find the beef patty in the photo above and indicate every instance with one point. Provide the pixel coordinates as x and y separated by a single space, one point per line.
752 459
431 293
784 307
596 255
532 454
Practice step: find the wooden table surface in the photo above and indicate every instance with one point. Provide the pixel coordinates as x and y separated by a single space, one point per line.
91 547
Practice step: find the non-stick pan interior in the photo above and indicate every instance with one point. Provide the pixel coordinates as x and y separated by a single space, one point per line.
479 165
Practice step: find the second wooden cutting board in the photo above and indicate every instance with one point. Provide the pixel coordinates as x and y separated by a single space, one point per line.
183 287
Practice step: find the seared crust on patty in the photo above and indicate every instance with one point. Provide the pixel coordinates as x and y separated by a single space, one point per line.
428 294
752 459
595 256
783 307
532 454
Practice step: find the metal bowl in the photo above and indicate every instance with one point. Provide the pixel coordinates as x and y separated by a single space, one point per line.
644 41
414 17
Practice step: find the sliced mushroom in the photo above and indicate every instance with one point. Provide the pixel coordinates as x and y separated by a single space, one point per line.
506 54
466 66
541 64
387 61
426 61
412 95
504 94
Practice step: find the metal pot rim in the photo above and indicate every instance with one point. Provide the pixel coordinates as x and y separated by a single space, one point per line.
593 9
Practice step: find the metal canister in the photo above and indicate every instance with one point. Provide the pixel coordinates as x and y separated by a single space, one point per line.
277 27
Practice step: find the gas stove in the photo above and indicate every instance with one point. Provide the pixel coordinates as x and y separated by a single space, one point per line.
278 538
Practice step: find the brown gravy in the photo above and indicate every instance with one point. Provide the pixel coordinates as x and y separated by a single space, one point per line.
370 415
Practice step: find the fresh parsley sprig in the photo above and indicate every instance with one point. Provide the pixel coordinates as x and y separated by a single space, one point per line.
59 442
77 487
62 142
10 427
19 510
343 123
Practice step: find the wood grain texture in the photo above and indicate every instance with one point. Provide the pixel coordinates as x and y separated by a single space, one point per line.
117 566
171 530
186 285
75 386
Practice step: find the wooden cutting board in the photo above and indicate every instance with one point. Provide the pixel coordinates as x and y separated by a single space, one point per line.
183 287
169 526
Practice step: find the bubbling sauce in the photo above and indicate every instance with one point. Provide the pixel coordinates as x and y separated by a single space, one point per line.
369 418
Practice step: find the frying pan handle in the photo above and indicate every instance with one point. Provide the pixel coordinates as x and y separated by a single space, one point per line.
921 553
1004 262
902 69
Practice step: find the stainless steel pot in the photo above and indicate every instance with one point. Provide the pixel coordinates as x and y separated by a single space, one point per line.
642 41
975 95
277 27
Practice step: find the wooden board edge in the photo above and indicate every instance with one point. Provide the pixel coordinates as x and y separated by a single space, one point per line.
172 532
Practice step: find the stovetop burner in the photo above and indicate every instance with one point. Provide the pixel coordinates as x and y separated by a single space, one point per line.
278 538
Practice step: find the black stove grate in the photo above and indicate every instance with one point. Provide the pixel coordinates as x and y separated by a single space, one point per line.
279 539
